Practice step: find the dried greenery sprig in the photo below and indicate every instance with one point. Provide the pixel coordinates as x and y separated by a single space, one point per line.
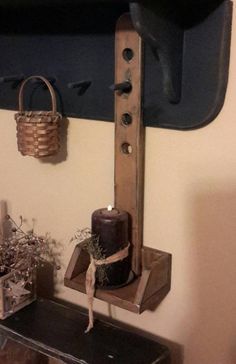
23 251
90 243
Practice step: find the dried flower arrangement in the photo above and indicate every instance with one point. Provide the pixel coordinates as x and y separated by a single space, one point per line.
20 254
90 243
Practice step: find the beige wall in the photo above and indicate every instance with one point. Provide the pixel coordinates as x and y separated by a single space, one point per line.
190 211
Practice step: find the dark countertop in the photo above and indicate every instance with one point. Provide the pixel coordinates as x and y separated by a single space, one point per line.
58 331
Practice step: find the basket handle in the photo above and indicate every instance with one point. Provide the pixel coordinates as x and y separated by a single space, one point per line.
49 86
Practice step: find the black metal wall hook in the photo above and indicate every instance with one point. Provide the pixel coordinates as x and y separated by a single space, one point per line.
12 78
81 86
123 87
162 24
77 84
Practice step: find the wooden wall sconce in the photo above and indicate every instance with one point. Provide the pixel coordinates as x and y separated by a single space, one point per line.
165 32
152 268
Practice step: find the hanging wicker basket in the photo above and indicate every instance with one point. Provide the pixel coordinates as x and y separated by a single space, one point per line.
38 131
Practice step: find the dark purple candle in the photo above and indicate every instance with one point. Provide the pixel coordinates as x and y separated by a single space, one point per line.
111 226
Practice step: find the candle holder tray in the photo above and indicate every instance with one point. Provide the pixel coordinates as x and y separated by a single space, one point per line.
144 292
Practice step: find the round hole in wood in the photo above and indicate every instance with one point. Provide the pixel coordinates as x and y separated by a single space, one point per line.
126 119
126 148
128 54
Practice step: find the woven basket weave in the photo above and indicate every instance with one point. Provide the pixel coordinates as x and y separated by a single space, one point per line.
38 131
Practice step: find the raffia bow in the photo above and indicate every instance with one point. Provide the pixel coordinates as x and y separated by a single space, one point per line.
90 278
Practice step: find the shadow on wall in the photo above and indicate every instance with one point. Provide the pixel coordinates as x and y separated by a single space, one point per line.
46 281
212 275
61 156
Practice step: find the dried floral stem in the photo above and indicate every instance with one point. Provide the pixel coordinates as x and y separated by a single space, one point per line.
23 251
90 243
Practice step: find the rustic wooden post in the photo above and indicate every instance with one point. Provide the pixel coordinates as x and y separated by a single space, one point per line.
129 132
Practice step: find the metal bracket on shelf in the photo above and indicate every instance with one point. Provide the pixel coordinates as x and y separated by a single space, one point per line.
165 36
162 25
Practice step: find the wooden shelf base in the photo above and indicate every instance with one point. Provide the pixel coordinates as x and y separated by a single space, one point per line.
144 292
